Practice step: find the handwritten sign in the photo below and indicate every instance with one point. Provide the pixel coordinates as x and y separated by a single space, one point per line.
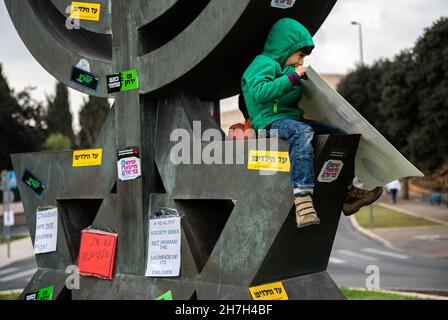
129 164
87 158
273 291
269 161
46 235
97 254
85 11
282 4
330 171
33 182
164 247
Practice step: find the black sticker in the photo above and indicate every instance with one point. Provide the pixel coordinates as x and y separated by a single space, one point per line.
114 83
33 182
31 296
131 152
85 79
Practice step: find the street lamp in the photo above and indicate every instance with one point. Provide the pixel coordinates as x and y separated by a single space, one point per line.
360 40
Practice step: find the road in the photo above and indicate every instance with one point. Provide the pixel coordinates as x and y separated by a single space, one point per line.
352 254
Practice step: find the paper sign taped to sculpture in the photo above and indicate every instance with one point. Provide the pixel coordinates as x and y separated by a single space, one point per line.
330 171
377 161
272 291
97 254
85 11
129 164
46 230
164 247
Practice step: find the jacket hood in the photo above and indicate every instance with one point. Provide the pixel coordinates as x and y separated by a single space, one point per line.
286 37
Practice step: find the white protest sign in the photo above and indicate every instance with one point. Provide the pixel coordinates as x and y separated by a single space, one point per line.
164 248
8 218
282 4
330 171
46 230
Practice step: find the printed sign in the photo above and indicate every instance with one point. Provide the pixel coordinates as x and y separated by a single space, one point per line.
85 11
166 296
85 78
46 230
129 164
45 293
330 171
8 218
123 81
164 247
87 158
273 291
269 161
34 183
12 180
114 83
282 4
97 254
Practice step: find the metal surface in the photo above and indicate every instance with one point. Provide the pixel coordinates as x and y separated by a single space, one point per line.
238 228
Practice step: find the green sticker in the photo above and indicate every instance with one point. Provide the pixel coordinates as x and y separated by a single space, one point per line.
129 80
166 296
45 293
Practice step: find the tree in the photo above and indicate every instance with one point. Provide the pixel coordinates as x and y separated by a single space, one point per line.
57 142
22 123
59 117
427 143
91 119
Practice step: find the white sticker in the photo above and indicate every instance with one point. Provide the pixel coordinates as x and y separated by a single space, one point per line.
46 230
8 218
129 164
282 4
164 248
83 64
330 171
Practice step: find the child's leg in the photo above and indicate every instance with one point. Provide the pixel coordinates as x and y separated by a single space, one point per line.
301 152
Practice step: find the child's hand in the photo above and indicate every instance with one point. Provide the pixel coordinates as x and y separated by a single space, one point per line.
301 71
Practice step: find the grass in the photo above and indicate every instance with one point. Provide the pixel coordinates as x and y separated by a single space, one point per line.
13 238
356 294
11 296
387 218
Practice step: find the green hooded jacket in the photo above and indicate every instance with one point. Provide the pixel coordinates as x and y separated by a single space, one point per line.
268 92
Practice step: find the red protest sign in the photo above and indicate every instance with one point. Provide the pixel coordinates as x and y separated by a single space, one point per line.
97 254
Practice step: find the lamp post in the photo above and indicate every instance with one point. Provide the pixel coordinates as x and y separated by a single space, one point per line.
360 41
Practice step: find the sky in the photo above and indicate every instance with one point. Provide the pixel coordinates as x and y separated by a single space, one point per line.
388 27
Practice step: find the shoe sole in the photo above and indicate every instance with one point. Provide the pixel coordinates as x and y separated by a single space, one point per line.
351 212
308 224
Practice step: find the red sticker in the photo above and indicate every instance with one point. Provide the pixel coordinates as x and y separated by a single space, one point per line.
97 254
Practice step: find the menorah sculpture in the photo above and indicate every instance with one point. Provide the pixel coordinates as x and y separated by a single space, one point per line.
238 228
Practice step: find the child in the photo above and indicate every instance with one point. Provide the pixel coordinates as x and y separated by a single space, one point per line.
272 89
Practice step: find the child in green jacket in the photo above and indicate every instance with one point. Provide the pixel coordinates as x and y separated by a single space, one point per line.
272 90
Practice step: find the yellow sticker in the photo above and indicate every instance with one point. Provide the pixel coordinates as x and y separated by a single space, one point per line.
269 161
87 158
273 291
85 11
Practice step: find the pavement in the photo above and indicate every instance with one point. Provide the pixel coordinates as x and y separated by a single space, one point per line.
430 241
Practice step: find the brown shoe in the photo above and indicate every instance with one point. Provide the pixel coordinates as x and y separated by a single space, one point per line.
305 213
357 198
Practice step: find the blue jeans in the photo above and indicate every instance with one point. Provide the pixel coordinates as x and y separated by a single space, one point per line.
300 136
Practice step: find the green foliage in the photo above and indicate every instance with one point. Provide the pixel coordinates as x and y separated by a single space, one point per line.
57 142
22 123
91 119
406 99
59 117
